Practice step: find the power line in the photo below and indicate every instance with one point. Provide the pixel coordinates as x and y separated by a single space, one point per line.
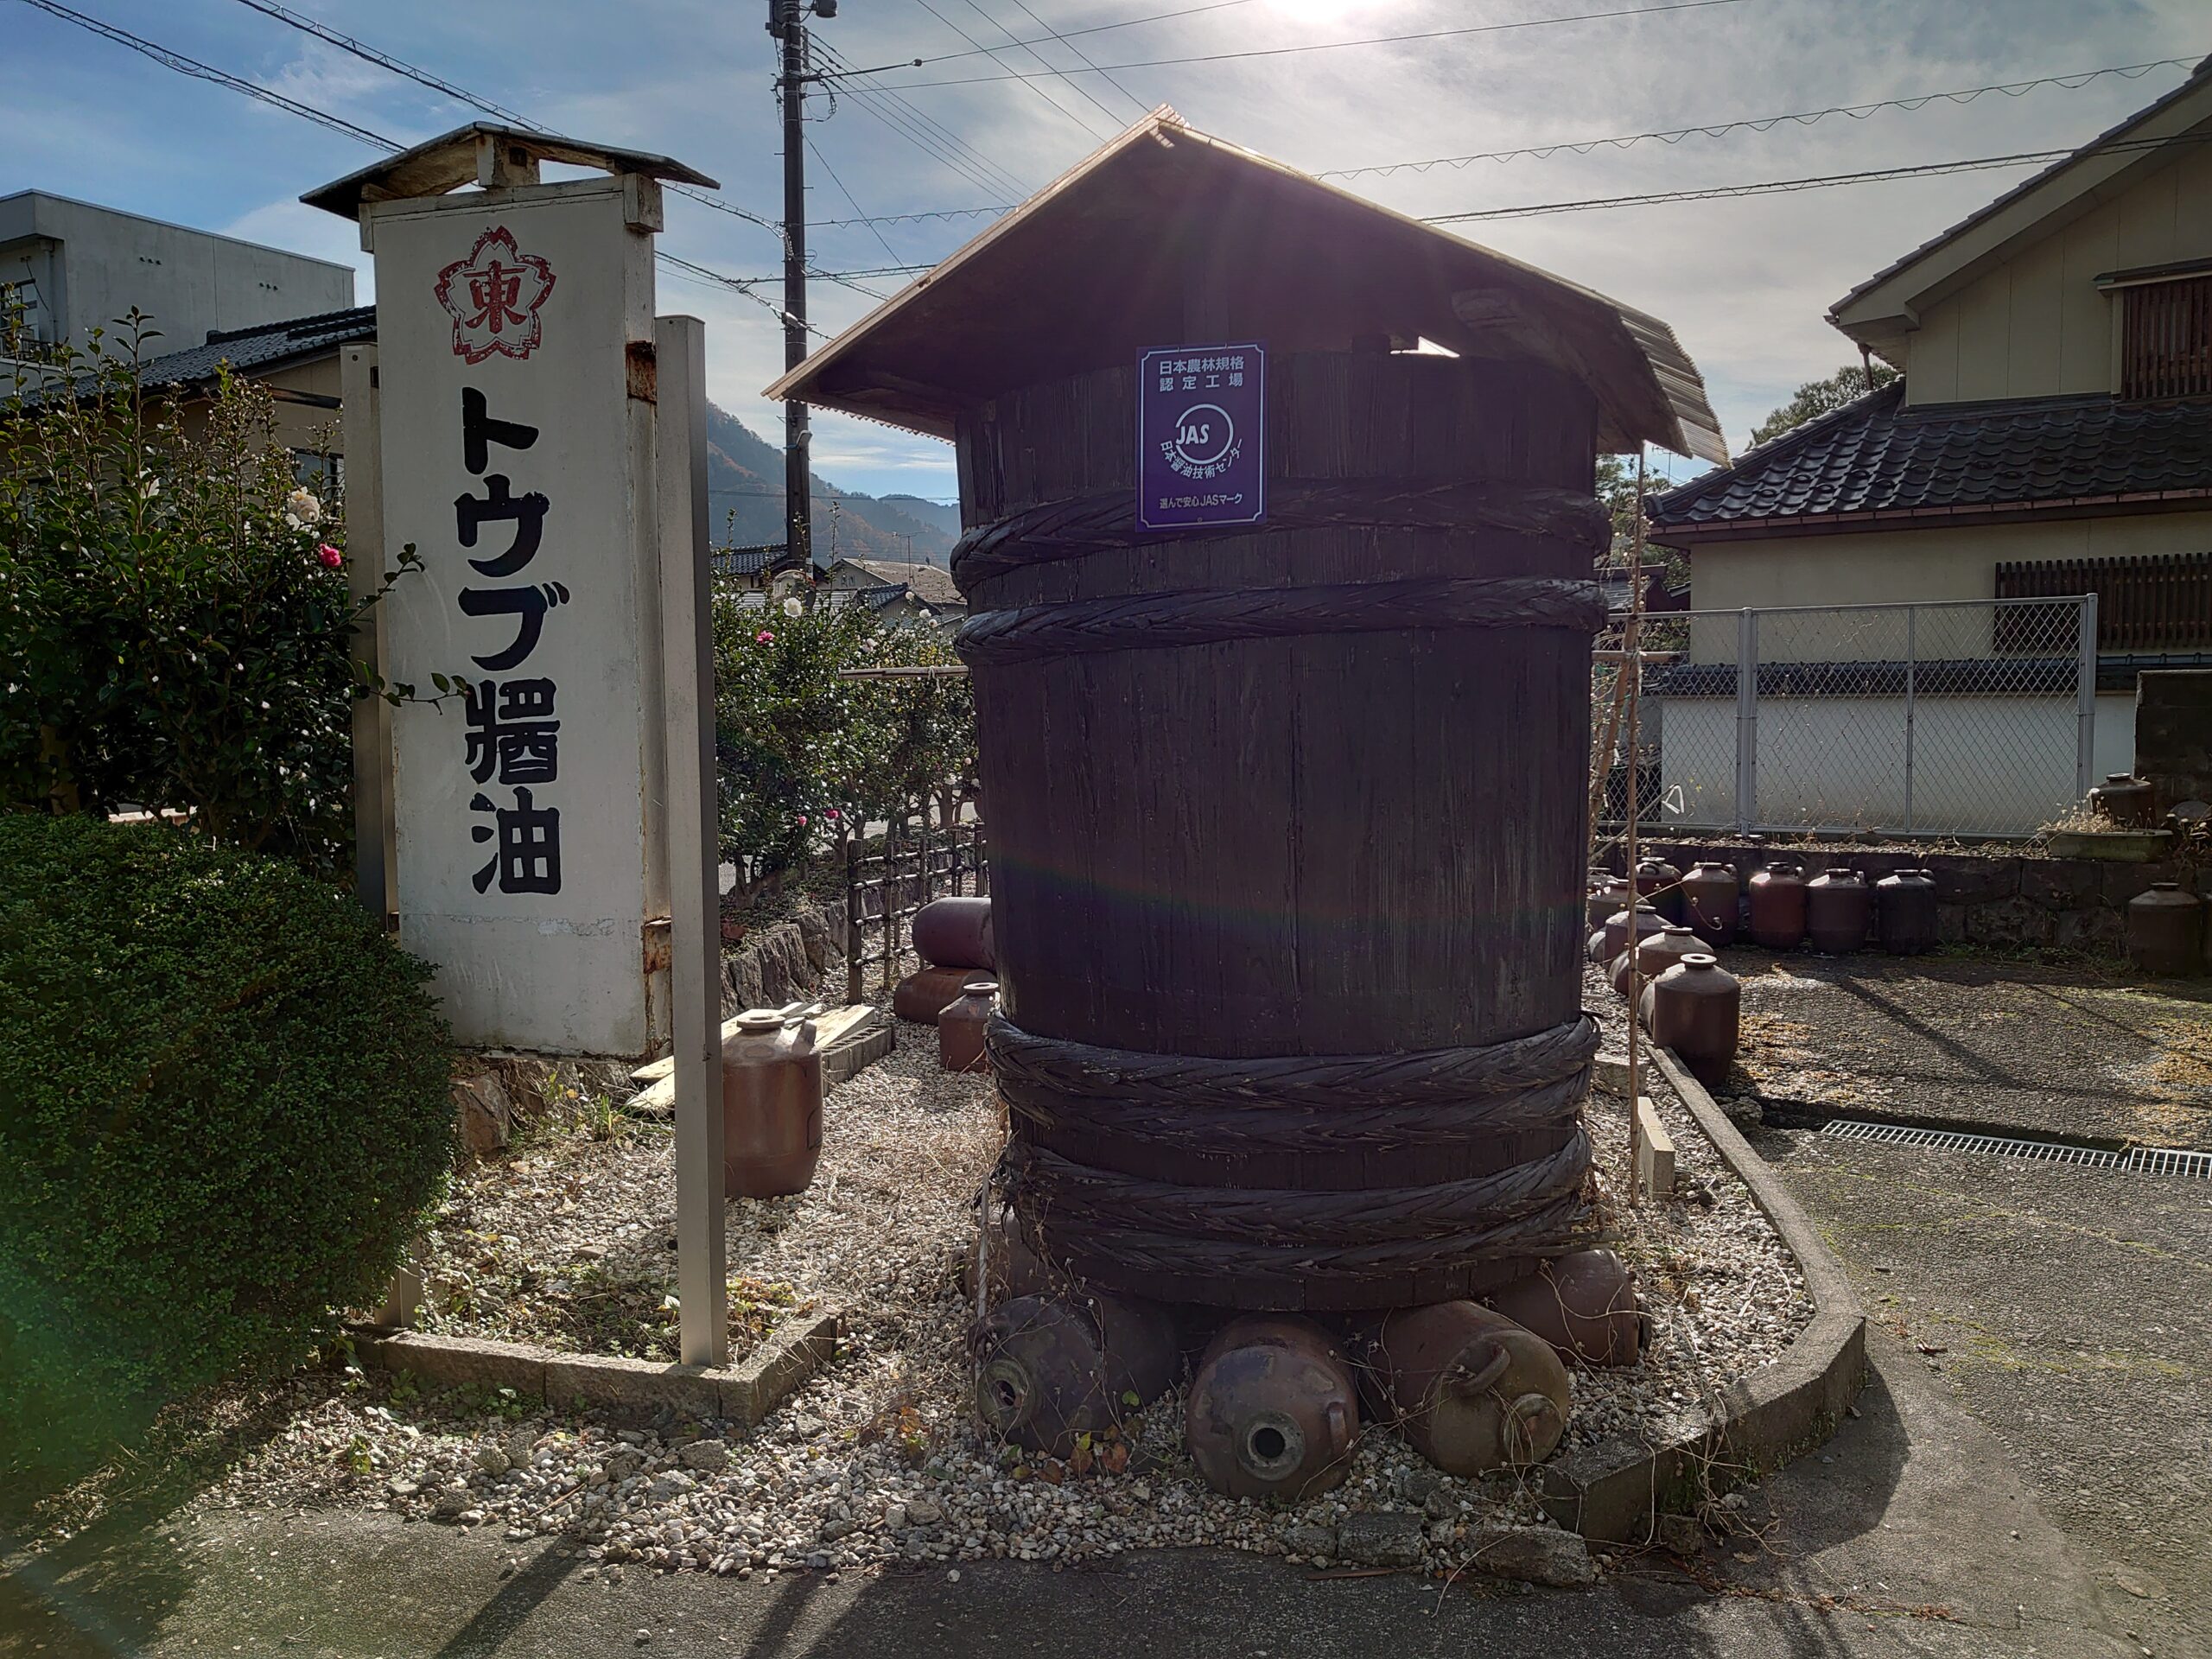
1331 45
423 77
183 65
1586 146
908 219
1927 169
1762 123
882 241
1080 91
368 54
1032 81
199 71
1066 34
934 140
1141 106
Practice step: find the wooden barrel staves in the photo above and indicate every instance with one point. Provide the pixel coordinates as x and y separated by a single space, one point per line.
1287 832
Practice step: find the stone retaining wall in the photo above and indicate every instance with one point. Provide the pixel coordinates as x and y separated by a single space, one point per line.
786 961
1994 898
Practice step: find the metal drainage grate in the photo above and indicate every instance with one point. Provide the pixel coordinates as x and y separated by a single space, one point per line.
2170 1160
2141 1161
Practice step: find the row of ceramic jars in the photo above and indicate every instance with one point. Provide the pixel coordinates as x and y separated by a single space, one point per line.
1836 910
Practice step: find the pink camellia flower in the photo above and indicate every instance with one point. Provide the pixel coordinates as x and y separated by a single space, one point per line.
331 557
802 820
831 815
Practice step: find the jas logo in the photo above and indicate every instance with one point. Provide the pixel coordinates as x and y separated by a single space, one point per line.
493 297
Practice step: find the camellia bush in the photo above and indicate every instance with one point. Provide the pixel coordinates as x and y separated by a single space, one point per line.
807 758
175 621
225 1111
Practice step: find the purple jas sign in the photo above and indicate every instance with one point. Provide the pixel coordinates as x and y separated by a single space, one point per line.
1201 432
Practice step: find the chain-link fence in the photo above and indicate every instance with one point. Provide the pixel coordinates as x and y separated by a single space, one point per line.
1969 717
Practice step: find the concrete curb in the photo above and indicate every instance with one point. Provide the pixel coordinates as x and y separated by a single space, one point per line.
1616 1493
743 1394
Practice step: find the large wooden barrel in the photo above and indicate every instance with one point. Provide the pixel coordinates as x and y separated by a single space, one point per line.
1287 832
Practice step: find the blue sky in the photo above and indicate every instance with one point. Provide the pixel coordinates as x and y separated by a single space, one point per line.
1745 281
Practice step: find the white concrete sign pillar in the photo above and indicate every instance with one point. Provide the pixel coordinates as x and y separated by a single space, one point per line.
515 356
538 438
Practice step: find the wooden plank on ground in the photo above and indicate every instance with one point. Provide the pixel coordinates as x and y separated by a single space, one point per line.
1654 1151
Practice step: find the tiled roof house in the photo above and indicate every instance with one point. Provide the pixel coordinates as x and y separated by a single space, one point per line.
2051 435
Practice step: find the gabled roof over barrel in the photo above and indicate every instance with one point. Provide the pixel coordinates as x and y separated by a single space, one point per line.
1169 236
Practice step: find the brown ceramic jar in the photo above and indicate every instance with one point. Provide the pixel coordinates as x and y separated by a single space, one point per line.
1709 895
960 1027
1647 921
1660 883
1839 909
771 1106
1904 911
955 932
1778 907
2128 801
1654 956
2165 930
1608 892
1695 1008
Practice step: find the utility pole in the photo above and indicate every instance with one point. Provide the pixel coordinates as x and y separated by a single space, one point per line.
787 22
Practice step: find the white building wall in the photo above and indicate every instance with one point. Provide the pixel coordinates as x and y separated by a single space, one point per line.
1980 765
93 265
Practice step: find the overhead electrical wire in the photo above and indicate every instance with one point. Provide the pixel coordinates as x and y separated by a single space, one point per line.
1114 119
931 137
1066 34
199 71
173 60
1925 169
1140 106
815 150
2069 82
423 77
1762 123
1034 82
1617 14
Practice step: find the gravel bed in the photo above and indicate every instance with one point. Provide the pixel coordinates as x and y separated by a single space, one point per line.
876 1462
1724 1294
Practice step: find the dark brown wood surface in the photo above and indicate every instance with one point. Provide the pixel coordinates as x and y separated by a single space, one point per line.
1329 843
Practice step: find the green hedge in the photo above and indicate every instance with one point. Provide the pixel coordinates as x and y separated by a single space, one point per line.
224 1110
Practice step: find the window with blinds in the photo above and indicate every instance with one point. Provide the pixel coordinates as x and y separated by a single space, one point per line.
2166 339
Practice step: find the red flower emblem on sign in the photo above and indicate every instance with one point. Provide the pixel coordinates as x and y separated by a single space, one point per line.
493 296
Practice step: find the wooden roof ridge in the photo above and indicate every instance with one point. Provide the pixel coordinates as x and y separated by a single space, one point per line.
1466 295
485 153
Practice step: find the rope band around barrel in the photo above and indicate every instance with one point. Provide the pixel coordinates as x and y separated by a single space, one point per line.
1105 520
1210 616
1060 1192
1442 1076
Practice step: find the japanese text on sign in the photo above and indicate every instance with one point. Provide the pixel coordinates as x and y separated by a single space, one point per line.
1201 415
513 737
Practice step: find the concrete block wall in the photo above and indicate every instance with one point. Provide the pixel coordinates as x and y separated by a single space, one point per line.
1998 898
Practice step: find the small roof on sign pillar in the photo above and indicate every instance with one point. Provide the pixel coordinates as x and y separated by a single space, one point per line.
485 153
1096 268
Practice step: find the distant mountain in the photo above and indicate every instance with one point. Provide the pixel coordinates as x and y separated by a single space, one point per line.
745 504
942 516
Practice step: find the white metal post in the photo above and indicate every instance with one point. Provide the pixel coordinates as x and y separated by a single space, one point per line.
1747 719
2086 700
1912 653
694 939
